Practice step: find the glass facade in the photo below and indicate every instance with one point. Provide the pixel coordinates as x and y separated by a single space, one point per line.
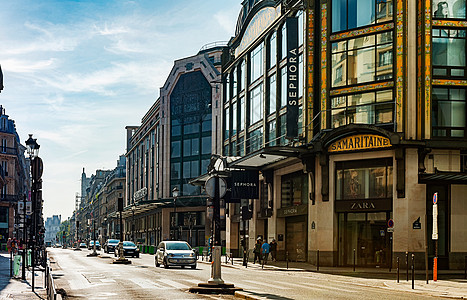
449 53
449 112
452 9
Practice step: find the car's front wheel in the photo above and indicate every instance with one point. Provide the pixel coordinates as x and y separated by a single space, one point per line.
166 264
193 266
137 255
157 263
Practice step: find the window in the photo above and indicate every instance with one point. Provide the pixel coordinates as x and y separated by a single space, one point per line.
175 171
206 145
227 87
272 50
443 9
241 146
186 169
242 113
368 179
176 128
271 139
234 82
272 94
300 76
294 189
187 148
242 75
283 87
207 123
283 41
255 140
175 149
234 118
195 146
282 128
449 53
300 28
449 112
257 63
226 123
364 108
350 14
256 104
362 60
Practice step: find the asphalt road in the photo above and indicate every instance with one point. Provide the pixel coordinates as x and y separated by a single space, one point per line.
85 277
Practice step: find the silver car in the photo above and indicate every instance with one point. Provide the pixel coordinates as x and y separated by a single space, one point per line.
175 253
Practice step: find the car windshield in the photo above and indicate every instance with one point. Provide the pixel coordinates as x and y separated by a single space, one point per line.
114 241
131 244
177 246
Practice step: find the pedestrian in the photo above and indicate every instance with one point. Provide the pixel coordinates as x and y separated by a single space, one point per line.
273 249
8 245
265 251
257 250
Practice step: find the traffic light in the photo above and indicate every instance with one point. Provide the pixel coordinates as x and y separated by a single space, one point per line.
246 213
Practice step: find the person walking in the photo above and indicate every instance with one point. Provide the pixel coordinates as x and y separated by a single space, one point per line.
257 250
273 249
265 251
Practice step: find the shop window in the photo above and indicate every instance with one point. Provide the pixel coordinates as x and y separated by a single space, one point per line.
449 112
359 180
449 53
350 14
364 108
294 189
362 60
256 104
453 9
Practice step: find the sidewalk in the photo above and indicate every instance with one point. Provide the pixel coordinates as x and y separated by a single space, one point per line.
450 284
15 288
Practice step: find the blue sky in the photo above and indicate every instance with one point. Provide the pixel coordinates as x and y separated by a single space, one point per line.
77 72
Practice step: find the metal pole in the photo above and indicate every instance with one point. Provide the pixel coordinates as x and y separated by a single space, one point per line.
11 262
413 270
25 244
133 225
175 218
354 260
390 251
465 268
426 249
287 258
407 264
245 250
317 260
33 229
398 270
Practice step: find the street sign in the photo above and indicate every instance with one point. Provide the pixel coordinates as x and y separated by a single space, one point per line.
29 208
434 236
211 184
390 229
435 198
390 223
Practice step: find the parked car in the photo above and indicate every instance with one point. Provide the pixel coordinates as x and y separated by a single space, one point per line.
91 245
58 245
175 253
129 249
110 245
82 245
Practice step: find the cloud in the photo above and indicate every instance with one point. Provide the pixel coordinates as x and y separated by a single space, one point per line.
27 66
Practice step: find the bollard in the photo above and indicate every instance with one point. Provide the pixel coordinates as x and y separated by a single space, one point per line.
398 270
317 260
231 258
407 265
354 260
413 270
287 258
465 268
226 258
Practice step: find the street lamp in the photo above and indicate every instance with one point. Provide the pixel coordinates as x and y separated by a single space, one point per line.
175 193
32 148
133 208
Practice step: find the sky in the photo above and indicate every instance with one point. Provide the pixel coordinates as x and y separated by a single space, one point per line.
77 72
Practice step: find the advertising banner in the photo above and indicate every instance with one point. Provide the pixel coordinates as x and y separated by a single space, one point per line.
292 78
245 184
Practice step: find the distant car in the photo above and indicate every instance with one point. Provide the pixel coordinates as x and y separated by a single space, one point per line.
129 249
110 245
58 245
91 245
175 253
82 245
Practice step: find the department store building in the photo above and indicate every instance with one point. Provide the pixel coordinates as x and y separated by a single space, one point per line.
354 114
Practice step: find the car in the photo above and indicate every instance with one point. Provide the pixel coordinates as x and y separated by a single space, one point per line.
175 253
58 245
129 249
110 245
82 245
91 245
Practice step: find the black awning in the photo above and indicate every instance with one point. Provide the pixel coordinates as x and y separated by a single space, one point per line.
443 177
266 156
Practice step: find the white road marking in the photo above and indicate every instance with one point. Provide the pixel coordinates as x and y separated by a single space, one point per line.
146 283
174 284
274 286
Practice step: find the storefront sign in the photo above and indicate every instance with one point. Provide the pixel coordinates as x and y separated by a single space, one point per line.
360 142
139 194
363 205
258 24
417 224
292 211
245 184
292 78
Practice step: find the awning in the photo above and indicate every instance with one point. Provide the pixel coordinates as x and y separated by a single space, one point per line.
443 177
266 156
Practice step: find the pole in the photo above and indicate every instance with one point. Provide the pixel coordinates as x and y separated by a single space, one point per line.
390 251
245 250
426 249
33 229
354 260
175 216
398 270
133 225
317 260
25 244
413 271
216 252
407 264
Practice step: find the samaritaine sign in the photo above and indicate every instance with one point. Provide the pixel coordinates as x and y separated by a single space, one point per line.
360 142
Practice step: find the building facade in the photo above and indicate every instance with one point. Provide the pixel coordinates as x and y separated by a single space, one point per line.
354 114
173 145
14 176
52 227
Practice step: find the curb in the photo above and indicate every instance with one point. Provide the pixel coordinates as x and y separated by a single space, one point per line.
248 296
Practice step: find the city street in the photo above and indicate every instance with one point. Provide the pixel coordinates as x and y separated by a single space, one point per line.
96 278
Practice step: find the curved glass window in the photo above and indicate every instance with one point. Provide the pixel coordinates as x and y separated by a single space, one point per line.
452 9
242 113
242 75
256 63
256 104
234 118
283 87
255 140
272 94
272 50
234 82
283 41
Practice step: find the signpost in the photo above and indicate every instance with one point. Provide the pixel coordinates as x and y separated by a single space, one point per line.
390 231
434 235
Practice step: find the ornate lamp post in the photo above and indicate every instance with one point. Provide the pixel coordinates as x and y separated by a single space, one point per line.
32 148
175 193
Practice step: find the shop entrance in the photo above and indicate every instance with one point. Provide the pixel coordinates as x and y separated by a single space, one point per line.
295 241
366 234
